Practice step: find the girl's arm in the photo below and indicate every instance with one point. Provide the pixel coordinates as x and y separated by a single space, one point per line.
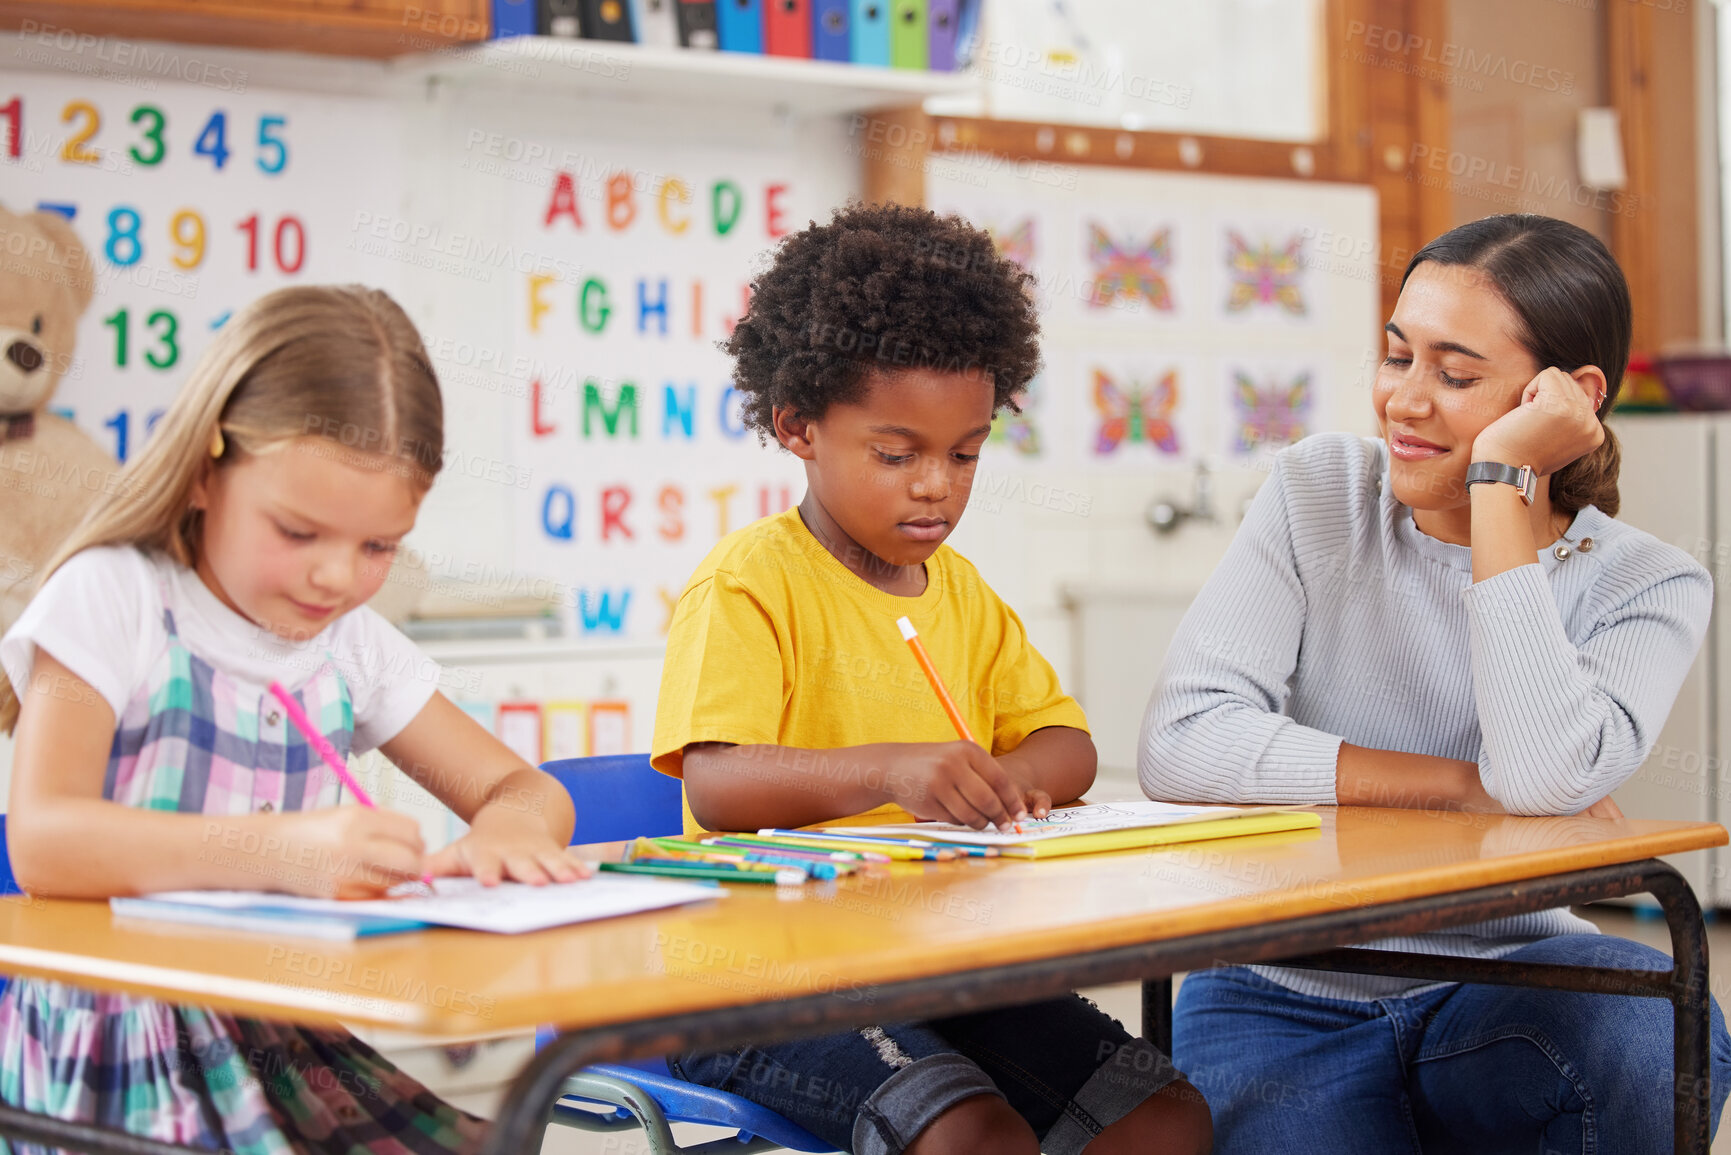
67 841
520 819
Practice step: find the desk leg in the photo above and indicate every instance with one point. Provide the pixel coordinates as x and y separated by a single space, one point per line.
1157 1013
1692 1030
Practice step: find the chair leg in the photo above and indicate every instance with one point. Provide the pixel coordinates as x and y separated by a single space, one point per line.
617 1092
1157 1013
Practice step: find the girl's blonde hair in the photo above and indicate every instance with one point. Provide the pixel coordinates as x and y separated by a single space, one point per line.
341 362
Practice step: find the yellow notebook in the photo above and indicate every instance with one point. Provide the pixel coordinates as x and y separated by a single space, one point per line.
1092 828
1165 835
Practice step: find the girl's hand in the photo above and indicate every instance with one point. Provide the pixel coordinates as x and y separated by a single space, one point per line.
341 852
503 844
1553 424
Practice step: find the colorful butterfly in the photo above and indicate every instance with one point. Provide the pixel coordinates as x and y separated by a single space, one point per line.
1128 272
1016 243
1018 428
1262 275
1270 417
1136 413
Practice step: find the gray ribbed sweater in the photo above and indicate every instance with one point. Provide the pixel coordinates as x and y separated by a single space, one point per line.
1332 617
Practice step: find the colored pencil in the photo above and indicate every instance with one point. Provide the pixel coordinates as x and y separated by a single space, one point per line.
710 873
855 837
698 852
912 637
809 851
869 850
326 751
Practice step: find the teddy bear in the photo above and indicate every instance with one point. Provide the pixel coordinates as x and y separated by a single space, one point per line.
50 470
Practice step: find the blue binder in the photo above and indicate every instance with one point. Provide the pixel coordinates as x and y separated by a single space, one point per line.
871 32
829 31
740 23
513 18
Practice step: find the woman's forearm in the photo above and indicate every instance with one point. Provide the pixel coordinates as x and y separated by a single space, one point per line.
1368 777
1502 529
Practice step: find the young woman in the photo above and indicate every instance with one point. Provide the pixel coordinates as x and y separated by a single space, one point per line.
1451 614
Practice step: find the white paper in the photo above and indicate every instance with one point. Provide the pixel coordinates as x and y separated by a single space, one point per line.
1093 818
509 908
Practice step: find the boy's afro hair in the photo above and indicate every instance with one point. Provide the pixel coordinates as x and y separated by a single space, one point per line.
882 288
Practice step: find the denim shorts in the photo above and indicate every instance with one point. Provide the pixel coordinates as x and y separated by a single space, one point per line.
1064 1065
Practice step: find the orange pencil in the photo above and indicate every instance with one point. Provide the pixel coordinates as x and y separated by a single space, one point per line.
925 660
912 637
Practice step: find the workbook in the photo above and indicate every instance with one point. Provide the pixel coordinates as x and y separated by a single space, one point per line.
509 908
1100 826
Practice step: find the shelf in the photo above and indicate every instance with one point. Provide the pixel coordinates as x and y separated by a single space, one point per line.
583 69
639 74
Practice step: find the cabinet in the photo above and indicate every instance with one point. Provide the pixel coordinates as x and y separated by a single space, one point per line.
1676 484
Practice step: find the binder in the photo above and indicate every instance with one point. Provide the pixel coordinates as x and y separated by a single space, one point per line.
696 21
655 22
558 18
909 36
604 20
787 28
829 30
740 23
870 41
943 17
967 32
513 18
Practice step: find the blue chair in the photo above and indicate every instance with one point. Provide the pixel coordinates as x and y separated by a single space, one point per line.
8 883
619 797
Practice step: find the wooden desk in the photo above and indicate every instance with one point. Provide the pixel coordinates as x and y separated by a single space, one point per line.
919 941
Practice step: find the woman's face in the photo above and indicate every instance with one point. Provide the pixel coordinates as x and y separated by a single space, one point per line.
1453 367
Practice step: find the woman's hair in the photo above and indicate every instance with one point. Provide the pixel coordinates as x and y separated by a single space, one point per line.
340 362
1573 305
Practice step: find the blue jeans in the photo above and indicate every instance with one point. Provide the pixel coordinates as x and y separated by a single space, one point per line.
1064 1065
1458 1068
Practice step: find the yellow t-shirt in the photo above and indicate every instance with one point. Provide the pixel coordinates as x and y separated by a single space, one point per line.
775 642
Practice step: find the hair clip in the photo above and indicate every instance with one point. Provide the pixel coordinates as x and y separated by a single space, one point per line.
216 442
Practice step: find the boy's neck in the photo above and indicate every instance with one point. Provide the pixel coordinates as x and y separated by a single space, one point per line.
907 581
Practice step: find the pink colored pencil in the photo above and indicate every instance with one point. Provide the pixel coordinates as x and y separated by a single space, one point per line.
326 751
318 742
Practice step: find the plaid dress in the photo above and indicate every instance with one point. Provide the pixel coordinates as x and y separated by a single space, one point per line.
193 741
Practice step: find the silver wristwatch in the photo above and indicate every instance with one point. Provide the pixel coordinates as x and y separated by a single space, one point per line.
1524 479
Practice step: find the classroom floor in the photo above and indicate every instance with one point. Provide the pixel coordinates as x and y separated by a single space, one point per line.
1124 1002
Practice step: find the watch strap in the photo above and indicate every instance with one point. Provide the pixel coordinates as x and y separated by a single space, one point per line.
1521 477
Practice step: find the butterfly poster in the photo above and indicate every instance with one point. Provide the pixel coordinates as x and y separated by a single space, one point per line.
1020 433
1135 416
1130 271
1269 410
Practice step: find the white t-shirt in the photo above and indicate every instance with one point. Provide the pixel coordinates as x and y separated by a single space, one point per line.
100 615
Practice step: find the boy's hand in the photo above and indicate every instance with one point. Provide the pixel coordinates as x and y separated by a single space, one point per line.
955 782
504 844
342 852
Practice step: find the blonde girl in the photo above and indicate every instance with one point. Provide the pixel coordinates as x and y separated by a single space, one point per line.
238 549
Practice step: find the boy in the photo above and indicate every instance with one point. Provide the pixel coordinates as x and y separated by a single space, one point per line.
877 349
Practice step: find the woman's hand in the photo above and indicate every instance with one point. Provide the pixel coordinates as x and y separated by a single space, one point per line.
335 852
1553 424
502 844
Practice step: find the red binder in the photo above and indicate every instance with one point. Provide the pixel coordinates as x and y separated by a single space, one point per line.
787 28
